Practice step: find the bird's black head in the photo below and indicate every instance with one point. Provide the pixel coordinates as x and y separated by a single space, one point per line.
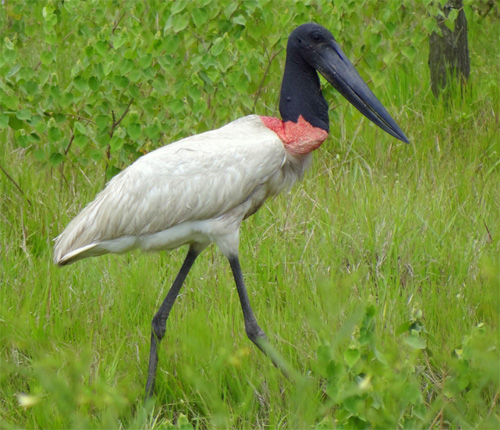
312 48
308 41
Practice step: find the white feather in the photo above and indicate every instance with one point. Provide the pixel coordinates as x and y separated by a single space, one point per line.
196 190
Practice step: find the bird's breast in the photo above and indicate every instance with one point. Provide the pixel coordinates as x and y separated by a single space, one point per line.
298 137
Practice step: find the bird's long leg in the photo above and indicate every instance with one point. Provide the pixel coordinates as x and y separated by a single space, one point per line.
160 319
254 332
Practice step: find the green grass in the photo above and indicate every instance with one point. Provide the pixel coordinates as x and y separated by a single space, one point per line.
377 279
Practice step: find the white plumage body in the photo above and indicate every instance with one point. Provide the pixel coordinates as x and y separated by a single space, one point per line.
194 191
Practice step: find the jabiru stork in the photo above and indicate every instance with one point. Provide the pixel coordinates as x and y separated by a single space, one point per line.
198 190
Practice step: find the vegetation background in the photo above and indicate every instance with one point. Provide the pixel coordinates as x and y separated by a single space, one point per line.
377 278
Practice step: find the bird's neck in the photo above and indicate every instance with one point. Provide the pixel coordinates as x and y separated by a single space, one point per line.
304 111
301 94
300 137
303 108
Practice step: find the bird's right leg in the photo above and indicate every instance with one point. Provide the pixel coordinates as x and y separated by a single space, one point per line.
252 328
159 322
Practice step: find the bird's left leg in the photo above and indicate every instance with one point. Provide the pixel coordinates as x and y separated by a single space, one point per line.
160 319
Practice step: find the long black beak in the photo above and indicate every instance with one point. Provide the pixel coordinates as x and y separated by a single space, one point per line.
339 71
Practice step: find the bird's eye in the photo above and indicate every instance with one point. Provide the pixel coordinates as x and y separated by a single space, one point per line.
317 37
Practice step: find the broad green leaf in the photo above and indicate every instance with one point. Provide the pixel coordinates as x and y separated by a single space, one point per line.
389 57
145 61
11 102
102 48
55 159
180 22
32 88
134 131
378 78
176 106
13 71
230 8
35 119
51 36
410 52
430 24
199 107
218 46
416 342
15 123
178 6
199 16
354 404
23 114
391 28
119 41
4 121
171 44
8 44
46 57
47 10
402 328
103 122
94 84
103 139
126 66
59 118
22 141
238 81
130 54
80 84
26 73
121 81
165 62
96 154
80 127
108 67
54 134
133 91
76 69
149 73
450 20
194 93
80 141
9 56
240 19
55 91
112 171
89 51
375 40
135 75
66 99
160 86
116 143
183 423
351 356
41 127
98 71
152 132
